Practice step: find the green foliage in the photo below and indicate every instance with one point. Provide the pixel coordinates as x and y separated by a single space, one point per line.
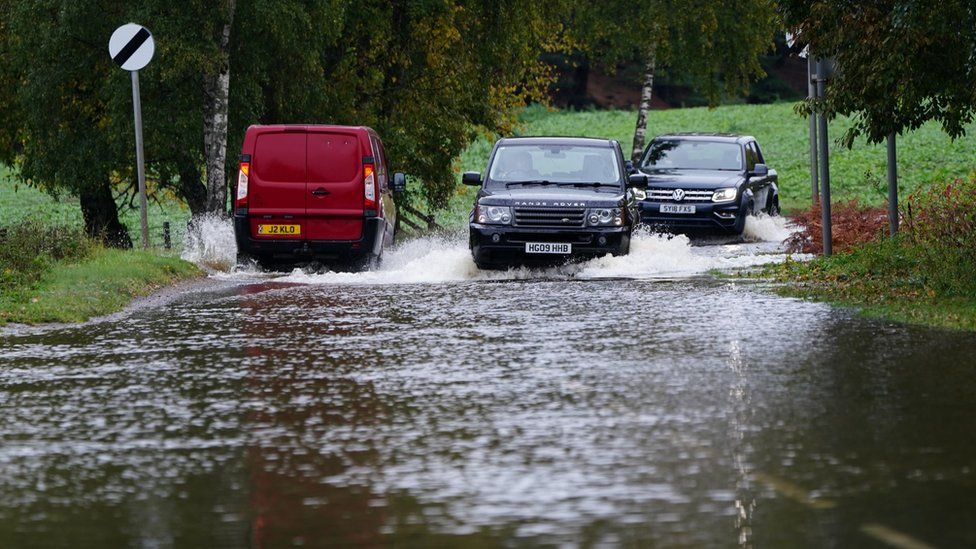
925 275
102 283
30 248
941 222
900 63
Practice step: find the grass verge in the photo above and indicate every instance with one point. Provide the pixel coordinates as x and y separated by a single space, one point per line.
103 282
924 276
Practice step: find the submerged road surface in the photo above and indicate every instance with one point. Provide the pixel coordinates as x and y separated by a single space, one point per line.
635 402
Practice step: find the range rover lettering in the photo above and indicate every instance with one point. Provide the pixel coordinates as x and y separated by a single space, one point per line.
549 200
705 183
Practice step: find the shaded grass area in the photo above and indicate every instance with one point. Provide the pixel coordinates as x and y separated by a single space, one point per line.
21 202
102 282
924 156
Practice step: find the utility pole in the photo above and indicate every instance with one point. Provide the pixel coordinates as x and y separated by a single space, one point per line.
824 161
892 185
812 93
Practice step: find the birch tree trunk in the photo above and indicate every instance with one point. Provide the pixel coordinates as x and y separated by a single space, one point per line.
216 89
647 87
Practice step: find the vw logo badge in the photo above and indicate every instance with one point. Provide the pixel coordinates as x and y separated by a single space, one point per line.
678 195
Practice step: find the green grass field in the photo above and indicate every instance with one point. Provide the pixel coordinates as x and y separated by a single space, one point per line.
924 156
19 201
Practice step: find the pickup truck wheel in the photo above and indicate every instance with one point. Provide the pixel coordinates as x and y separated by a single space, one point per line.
773 209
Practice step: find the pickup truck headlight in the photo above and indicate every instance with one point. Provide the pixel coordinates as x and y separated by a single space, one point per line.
724 195
597 217
495 215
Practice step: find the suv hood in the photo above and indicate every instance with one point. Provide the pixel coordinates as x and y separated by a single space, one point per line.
552 197
693 179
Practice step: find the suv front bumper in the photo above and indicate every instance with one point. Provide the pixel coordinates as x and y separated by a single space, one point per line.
504 245
728 217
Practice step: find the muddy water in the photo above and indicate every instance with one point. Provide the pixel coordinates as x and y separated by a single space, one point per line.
628 401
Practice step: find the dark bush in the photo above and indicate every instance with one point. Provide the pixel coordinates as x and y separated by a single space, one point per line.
29 248
941 222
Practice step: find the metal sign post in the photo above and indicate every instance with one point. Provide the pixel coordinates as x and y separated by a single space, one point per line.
132 47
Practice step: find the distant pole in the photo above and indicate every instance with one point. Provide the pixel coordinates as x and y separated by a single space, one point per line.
892 185
824 163
812 93
140 164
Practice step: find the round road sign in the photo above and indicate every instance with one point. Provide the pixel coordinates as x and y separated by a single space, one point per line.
131 46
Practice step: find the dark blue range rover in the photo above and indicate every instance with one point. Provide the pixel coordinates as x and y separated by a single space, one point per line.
549 200
705 183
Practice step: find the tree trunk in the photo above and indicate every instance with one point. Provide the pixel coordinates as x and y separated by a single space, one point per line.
191 189
216 88
102 217
647 87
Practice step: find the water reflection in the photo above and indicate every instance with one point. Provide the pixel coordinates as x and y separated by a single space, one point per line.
556 411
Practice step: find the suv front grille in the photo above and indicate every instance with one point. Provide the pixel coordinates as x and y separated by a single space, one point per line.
549 217
691 195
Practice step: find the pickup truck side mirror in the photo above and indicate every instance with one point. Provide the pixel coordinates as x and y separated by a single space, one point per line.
399 182
638 180
471 178
629 166
759 170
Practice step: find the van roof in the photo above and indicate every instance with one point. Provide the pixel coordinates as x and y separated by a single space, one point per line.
307 127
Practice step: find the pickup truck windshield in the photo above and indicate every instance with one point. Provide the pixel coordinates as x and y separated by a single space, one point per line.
555 165
676 154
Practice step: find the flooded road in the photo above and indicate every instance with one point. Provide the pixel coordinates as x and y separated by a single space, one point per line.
631 401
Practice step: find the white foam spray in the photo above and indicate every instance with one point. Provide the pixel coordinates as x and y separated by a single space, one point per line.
210 243
446 258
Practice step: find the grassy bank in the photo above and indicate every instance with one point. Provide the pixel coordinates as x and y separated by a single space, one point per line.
924 156
56 274
925 276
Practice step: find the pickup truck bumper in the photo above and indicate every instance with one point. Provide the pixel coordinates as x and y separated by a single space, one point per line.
726 217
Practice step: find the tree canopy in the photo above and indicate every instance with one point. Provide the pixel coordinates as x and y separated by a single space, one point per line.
900 63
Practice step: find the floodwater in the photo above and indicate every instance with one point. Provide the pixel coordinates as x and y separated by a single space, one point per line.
635 401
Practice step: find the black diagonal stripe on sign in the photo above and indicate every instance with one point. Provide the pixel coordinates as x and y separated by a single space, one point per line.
130 48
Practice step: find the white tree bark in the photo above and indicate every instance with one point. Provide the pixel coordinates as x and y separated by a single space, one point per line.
216 90
647 87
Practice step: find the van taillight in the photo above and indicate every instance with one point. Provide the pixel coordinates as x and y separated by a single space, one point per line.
369 187
245 170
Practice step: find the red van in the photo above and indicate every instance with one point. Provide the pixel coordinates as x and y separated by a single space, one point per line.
314 193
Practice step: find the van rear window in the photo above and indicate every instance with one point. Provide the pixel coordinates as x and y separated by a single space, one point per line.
280 157
333 157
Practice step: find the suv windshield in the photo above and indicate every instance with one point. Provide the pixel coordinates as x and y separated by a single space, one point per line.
555 164
676 154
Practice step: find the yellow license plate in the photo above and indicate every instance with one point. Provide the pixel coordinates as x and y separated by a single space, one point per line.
283 230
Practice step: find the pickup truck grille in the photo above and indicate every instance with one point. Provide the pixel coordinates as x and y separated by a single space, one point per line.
549 217
691 195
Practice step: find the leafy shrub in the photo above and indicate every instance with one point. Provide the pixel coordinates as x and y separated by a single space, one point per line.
852 225
29 248
941 222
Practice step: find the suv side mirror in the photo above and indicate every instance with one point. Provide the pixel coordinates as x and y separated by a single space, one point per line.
638 180
471 178
399 182
759 170
629 166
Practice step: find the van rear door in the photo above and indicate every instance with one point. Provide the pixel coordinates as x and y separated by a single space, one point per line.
277 183
335 184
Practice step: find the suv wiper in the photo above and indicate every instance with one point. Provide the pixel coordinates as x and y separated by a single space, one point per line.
616 185
541 182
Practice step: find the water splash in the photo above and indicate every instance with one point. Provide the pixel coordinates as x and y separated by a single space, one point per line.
446 258
764 228
210 243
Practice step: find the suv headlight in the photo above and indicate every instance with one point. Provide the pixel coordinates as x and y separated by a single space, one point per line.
724 195
495 215
597 217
